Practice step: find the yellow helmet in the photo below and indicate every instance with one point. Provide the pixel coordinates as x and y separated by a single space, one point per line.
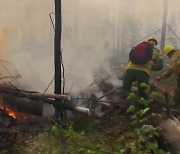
167 49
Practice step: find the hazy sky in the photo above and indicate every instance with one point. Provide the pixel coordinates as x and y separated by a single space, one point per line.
26 35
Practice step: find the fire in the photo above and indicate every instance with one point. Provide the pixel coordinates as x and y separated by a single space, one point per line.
9 112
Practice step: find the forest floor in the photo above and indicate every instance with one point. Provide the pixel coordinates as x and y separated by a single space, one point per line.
83 134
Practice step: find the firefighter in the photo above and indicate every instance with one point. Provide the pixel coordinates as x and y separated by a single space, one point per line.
173 68
140 73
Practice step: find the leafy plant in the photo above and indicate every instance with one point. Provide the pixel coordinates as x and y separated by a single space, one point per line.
143 138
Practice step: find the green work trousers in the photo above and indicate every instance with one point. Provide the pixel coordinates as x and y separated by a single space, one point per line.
138 76
177 93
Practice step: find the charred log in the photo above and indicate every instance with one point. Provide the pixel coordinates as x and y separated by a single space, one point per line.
29 102
5 119
23 105
34 106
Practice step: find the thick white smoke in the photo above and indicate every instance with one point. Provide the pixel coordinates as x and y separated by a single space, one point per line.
88 28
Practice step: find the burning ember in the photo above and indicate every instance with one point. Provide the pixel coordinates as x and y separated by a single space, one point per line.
7 117
8 112
11 113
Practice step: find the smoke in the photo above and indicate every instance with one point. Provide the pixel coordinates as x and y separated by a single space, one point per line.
89 36
3 39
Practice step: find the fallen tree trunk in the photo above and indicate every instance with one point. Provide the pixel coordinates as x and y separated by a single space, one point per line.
169 132
22 104
33 94
35 106
31 102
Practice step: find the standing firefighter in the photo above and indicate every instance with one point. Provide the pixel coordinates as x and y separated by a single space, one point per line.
143 59
174 67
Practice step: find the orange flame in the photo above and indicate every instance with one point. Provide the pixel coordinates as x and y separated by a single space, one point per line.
10 112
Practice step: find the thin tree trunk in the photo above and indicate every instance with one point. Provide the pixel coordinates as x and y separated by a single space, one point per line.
163 34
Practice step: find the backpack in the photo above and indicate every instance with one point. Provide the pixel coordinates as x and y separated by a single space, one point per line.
141 53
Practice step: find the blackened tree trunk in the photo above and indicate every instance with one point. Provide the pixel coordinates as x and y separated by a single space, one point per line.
59 113
57 47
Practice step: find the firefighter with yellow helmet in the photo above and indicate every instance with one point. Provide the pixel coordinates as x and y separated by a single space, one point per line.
173 67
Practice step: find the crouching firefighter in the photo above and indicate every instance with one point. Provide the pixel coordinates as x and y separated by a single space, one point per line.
143 59
173 67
